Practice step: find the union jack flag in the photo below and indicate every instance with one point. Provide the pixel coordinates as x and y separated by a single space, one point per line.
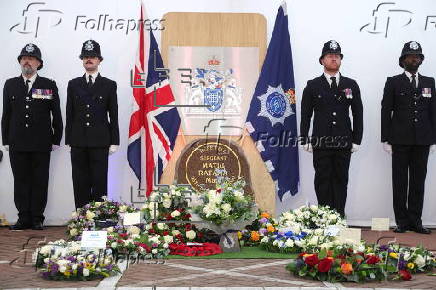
153 129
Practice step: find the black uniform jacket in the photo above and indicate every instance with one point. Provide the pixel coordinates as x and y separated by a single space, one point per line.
31 121
408 115
332 127
92 113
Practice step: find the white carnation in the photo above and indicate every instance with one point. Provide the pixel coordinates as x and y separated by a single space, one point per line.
191 234
168 239
133 230
175 213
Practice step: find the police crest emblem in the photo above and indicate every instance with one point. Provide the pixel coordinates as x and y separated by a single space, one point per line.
89 46
414 45
30 48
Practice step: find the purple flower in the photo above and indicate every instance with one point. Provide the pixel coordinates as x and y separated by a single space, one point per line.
54 269
263 220
384 247
45 275
401 264
263 231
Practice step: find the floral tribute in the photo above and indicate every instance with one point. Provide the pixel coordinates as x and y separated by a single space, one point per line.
61 260
348 263
300 230
227 204
96 216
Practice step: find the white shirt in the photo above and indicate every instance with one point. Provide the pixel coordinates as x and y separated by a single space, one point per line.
409 75
337 76
94 76
32 80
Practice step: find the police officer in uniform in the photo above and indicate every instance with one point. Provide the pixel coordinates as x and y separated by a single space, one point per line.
91 99
31 128
329 98
408 132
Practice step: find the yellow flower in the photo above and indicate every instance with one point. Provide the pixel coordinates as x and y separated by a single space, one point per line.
254 236
410 265
265 215
270 229
239 235
393 255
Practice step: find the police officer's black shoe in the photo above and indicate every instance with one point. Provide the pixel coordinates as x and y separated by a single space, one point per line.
37 226
421 230
400 229
19 226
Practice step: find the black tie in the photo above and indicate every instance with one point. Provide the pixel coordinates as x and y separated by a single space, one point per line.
414 81
90 81
334 86
27 85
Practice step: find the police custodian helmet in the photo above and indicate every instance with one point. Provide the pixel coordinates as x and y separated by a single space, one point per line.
31 50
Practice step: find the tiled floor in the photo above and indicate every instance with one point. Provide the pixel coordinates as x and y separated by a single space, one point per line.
254 274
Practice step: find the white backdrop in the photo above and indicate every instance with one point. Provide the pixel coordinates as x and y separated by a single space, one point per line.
370 55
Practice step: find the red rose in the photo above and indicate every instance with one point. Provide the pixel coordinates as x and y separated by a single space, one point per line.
311 260
165 233
372 259
188 227
405 275
151 231
325 265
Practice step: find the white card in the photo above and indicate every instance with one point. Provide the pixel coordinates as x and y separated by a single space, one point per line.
194 244
350 235
380 224
132 218
94 239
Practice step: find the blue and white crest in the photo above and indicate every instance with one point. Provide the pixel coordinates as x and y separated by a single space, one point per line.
214 88
213 98
275 105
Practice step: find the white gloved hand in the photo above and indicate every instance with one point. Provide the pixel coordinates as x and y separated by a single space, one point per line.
54 147
355 148
307 147
113 149
387 147
6 147
432 148
68 148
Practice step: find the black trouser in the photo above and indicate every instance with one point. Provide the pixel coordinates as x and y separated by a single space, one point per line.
31 172
89 169
409 169
331 177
